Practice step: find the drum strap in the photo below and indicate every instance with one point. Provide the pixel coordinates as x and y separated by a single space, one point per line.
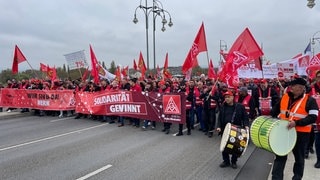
234 114
269 92
298 105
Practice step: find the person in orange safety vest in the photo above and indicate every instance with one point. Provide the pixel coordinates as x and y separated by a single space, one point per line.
300 110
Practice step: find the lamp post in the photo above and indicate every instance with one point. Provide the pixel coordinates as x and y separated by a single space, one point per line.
314 38
311 3
157 10
223 47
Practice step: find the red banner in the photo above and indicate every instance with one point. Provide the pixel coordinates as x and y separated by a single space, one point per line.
38 99
148 106
143 105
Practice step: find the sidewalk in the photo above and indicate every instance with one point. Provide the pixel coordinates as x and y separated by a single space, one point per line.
310 172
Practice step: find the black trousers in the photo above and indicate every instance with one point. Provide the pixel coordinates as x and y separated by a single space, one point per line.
188 119
299 154
226 158
311 141
209 116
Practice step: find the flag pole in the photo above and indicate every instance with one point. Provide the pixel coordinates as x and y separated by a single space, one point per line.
208 59
80 72
37 75
128 72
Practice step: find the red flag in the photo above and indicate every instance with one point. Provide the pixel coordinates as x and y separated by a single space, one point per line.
296 56
142 65
314 66
244 49
43 67
124 71
17 59
166 73
135 67
303 61
94 63
52 73
199 45
211 73
118 73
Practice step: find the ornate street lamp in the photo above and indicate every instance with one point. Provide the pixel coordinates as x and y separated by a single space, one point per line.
223 47
313 41
157 10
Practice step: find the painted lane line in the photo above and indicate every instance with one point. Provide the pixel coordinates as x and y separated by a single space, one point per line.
184 130
95 172
48 138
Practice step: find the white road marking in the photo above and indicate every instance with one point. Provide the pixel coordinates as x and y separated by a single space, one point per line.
48 138
185 129
95 172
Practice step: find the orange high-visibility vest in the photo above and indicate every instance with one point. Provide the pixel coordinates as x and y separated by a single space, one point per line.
298 111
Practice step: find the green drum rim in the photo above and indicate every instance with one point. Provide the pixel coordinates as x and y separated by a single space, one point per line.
255 130
272 135
264 133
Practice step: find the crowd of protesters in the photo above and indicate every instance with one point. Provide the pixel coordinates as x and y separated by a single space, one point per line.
204 98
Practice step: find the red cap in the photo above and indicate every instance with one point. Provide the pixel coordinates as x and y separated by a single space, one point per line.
228 93
162 82
263 81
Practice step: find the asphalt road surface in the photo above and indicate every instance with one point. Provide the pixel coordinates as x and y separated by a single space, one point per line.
40 148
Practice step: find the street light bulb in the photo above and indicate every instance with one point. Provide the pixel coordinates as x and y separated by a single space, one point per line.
311 4
170 23
135 20
164 21
163 28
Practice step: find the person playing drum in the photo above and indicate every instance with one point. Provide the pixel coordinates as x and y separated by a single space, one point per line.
265 98
234 113
300 110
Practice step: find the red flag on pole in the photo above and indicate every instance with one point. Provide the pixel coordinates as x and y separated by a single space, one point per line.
52 73
166 73
142 65
17 59
43 67
211 73
243 50
199 45
124 71
118 73
94 63
135 67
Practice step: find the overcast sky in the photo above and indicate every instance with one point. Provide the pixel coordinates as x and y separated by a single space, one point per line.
46 30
